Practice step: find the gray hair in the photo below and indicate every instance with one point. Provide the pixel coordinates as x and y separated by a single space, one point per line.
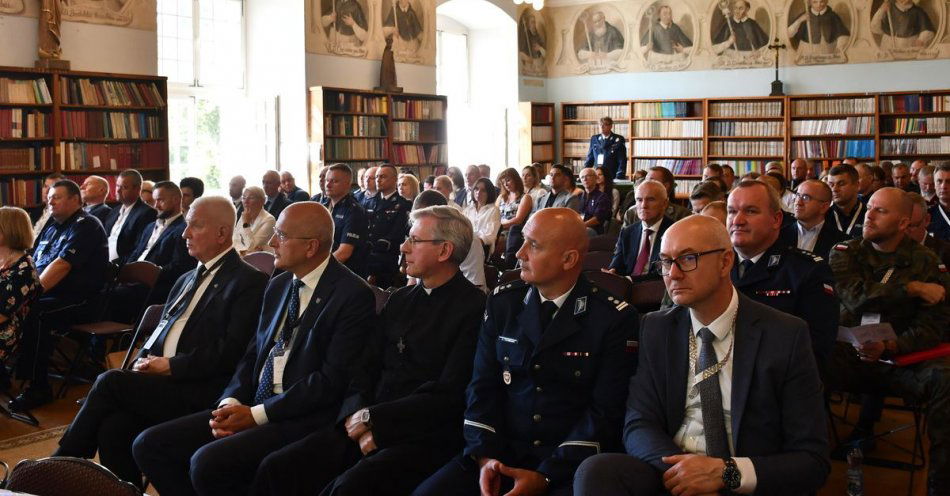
452 226
220 211
255 191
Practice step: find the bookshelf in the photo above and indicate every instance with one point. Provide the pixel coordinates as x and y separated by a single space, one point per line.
78 123
536 134
830 128
580 121
668 133
914 125
745 133
364 128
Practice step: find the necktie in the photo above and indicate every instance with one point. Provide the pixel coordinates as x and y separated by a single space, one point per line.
710 398
177 308
744 267
265 389
548 309
643 259
550 201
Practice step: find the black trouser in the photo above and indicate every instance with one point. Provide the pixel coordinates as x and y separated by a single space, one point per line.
459 477
615 474
36 347
384 267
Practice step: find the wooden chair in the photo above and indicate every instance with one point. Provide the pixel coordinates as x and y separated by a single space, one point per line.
603 242
509 276
491 277
262 261
647 295
146 327
67 476
596 260
619 286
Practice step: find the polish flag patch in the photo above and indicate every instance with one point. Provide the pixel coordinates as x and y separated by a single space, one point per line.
828 289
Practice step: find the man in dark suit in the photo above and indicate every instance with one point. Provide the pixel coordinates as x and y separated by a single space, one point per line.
552 364
289 187
812 232
608 150
638 245
402 418
562 191
126 222
94 191
313 325
727 394
276 201
205 327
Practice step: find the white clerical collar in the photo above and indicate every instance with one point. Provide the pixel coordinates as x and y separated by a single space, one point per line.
822 12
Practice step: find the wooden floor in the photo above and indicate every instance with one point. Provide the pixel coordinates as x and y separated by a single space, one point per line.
877 481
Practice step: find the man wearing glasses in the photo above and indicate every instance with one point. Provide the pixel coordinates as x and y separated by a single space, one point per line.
770 271
812 232
727 396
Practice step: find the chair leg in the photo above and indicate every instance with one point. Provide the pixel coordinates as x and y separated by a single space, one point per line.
24 416
80 353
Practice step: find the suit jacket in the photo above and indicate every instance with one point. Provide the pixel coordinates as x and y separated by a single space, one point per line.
298 195
277 205
325 350
138 220
222 323
564 199
778 415
828 237
169 252
100 211
628 247
940 247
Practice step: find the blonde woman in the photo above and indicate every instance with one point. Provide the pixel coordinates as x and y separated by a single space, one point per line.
408 186
19 282
254 226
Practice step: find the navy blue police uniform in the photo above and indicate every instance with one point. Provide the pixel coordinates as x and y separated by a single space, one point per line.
614 151
388 226
350 226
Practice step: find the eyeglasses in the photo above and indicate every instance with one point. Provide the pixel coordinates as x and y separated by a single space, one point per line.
805 197
413 241
686 262
282 236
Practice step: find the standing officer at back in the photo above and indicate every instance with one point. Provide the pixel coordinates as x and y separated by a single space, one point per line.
608 151
388 224
551 370
350 229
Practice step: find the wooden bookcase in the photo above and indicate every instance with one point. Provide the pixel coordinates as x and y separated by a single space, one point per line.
831 128
668 133
536 134
78 123
914 125
745 133
580 121
363 128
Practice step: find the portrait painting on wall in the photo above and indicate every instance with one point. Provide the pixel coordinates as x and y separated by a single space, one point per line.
344 27
667 32
819 31
405 21
740 33
532 43
906 29
599 42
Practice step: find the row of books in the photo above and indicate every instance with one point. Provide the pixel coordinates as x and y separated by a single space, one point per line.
418 109
361 149
917 125
595 112
679 167
826 106
846 125
349 102
746 109
684 187
25 91
407 131
915 103
668 148
356 125
542 133
747 128
110 125
745 166
663 129
23 123
585 131
542 115
833 149
424 171
83 91
21 192
33 158
117 156
750 148
919 145
667 109
542 153
575 149
418 154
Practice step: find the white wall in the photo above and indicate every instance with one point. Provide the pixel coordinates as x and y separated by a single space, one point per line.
348 72
88 47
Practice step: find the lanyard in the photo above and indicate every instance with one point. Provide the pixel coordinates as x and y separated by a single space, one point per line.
192 287
944 214
710 371
854 218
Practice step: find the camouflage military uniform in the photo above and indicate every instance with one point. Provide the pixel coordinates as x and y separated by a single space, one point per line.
871 282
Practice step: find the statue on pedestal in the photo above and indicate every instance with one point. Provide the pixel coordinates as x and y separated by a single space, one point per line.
387 69
49 46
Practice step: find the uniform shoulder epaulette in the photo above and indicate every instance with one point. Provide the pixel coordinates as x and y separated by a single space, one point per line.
806 254
608 298
509 286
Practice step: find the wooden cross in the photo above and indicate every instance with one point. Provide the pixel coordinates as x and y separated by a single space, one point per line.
777 87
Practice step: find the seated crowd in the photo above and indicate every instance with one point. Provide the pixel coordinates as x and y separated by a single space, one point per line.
374 361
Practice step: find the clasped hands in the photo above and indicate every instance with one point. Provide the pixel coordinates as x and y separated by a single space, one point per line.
693 475
152 365
527 482
360 433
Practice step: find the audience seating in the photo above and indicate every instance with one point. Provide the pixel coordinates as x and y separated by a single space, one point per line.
596 260
603 242
491 277
67 476
619 286
147 325
647 295
262 261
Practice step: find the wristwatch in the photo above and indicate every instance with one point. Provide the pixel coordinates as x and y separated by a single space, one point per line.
365 418
731 477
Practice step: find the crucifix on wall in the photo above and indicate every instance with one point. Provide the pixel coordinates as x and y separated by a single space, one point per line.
777 86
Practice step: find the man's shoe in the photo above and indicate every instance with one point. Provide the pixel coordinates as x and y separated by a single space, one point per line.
32 398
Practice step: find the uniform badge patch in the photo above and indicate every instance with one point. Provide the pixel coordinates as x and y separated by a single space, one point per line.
580 305
774 260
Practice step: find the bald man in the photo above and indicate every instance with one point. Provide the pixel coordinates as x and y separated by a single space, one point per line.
94 191
551 370
204 331
313 324
638 245
276 201
288 185
889 278
759 388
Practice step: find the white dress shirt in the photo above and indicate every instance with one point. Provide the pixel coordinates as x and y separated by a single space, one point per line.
171 339
473 267
808 237
160 225
691 436
486 222
41 222
255 236
116 229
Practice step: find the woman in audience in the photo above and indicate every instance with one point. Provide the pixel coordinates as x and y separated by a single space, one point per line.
458 181
484 214
408 186
515 206
255 226
19 282
606 185
429 183
532 181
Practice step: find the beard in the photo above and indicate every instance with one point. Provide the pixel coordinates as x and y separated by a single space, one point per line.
600 31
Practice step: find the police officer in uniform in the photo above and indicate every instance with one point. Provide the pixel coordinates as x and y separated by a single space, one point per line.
889 278
551 370
388 223
350 229
773 273
608 150
847 212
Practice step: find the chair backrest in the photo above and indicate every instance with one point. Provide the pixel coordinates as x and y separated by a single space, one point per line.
139 273
619 286
596 260
603 242
67 476
491 277
511 275
382 296
262 261
146 327
648 295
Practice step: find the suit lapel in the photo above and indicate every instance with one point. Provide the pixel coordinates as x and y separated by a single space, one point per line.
227 266
747 337
529 318
635 247
677 372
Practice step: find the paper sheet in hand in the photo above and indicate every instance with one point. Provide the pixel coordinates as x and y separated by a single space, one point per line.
866 333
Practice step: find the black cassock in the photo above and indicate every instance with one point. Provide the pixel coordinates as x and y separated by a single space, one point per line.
907 23
827 27
409 26
527 39
665 38
749 36
347 8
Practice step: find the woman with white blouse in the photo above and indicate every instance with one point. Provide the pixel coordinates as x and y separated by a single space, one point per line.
254 226
483 213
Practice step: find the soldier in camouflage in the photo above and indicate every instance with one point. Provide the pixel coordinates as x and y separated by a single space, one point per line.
887 277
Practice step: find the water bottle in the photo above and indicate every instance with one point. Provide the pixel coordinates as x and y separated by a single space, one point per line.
855 474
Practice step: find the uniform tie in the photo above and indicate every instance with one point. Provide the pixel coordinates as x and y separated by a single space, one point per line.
744 267
548 309
265 389
710 398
